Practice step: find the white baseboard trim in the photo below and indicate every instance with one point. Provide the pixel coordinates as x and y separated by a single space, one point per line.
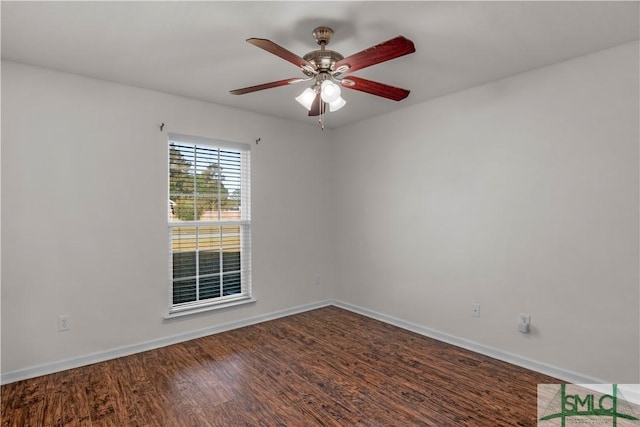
514 359
49 368
89 359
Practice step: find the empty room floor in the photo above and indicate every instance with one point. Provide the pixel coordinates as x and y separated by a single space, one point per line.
324 367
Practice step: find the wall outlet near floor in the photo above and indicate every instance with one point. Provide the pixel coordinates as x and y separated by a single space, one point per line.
523 323
64 322
316 279
475 310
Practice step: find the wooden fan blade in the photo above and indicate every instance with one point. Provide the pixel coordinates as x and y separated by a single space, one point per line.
375 88
315 107
265 86
283 53
382 52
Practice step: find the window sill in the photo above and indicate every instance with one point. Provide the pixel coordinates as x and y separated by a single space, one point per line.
180 312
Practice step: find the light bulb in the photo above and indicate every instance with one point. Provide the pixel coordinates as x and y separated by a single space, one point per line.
306 98
329 91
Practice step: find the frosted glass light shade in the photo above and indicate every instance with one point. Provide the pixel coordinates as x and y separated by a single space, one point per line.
329 92
306 98
337 104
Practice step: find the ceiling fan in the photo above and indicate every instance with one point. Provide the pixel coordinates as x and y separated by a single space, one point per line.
326 69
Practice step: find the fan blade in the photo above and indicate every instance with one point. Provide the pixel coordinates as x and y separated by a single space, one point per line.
382 52
315 107
265 86
283 53
375 88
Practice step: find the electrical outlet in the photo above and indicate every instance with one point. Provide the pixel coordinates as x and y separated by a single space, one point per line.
316 279
523 323
64 322
475 310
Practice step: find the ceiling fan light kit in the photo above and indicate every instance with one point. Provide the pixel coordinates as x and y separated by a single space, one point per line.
306 98
325 69
330 92
337 104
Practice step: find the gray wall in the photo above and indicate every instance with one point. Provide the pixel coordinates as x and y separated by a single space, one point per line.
520 195
84 220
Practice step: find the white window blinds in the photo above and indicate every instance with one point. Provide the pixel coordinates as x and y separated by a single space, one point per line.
209 222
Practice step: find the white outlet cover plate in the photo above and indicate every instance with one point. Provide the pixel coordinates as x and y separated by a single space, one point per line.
475 310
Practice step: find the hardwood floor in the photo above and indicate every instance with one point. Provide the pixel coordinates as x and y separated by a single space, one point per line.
325 367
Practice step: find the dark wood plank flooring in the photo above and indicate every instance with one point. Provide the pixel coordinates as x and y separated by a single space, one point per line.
325 367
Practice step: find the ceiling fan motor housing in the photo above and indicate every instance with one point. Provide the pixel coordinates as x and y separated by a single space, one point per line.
323 60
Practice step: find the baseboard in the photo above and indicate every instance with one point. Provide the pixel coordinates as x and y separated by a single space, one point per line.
553 371
48 368
89 359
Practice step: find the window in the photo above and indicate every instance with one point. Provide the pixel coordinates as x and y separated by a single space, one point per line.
209 224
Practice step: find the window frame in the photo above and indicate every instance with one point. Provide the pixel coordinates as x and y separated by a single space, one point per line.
244 231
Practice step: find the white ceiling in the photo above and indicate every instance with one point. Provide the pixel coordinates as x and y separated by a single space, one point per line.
198 49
